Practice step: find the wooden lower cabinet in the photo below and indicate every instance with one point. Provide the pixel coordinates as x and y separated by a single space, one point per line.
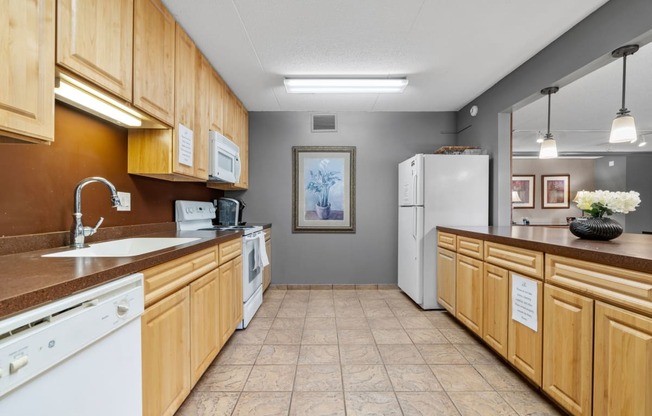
166 354
267 271
496 306
568 349
446 261
205 336
236 296
468 298
227 301
622 362
524 345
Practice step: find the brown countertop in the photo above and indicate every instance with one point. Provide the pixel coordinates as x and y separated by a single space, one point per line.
629 251
28 280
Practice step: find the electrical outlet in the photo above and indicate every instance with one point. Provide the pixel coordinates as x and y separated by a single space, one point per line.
125 201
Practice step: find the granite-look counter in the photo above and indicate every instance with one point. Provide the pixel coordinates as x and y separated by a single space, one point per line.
629 251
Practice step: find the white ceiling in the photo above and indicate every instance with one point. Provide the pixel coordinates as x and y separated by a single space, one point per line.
582 111
450 51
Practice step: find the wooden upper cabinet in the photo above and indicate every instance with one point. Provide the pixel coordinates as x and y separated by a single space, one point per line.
95 41
27 70
217 88
184 91
154 39
202 116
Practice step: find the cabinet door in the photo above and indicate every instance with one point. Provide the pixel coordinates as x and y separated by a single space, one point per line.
622 375
202 116
166 354
184 87
205 334
524 345
154 60
446 260
267 271
568 349
237 291
468 304
27 70
226 301
243 142
94 40
496 300
216 103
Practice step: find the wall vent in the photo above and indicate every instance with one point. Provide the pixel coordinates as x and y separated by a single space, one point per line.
323 123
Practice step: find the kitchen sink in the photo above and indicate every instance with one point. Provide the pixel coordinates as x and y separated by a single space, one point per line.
123 248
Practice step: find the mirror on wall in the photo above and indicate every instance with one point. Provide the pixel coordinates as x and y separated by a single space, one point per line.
581 117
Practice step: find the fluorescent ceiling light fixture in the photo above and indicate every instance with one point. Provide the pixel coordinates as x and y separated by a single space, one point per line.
95 102
345 85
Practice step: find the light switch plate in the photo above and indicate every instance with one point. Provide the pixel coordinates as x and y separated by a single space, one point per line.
125 201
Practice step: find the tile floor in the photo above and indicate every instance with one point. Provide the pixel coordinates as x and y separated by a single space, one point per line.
357 352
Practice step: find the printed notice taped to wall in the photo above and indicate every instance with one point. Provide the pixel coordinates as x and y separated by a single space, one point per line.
185 145
524 301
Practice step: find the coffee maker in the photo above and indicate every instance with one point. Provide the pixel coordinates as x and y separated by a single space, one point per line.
229 211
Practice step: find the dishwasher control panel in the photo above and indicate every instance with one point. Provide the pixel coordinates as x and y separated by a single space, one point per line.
34 341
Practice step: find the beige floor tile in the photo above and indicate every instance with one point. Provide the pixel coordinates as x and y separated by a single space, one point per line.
486 403
477 354
319 323
305 403
224 378
372 404
318 302
391 336
319 336
274 295
319 354
458 336
238 354
419 322
349 312
269 311
384 323
249 337
529 402
441 354
284 336
271 378
278 354
263 404
359 354
320 312
441 319
357 322
427 403
288 323
260 322
318 377
355 336
400 354
378 312
412 378
373 303
291 312
365 378
502 378
426 336
208 404
460 378
403 312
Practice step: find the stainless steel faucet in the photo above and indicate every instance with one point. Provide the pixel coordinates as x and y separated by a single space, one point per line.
78 231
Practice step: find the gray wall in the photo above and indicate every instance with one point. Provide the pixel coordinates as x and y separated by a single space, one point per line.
583 48
382 141
639 180
612 178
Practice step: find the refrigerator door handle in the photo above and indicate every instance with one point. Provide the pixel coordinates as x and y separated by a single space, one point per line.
414 223
415 180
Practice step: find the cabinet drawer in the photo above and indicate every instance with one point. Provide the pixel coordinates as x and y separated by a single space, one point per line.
268 233
230 250
167 277
471 247
516 259
446 240
627 288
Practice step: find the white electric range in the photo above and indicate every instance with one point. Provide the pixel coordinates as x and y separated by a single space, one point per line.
198 216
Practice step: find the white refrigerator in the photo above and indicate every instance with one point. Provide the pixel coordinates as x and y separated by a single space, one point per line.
434 190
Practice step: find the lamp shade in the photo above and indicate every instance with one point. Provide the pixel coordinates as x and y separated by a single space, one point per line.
548 149
623 130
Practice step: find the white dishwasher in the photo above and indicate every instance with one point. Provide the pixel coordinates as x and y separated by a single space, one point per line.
80 355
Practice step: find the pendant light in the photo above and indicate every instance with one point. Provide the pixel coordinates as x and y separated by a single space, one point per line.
549 145
623 128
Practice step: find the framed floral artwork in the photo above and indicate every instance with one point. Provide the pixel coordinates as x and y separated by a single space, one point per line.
523 191
555 191
323 189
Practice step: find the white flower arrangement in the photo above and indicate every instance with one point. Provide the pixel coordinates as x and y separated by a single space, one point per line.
599 203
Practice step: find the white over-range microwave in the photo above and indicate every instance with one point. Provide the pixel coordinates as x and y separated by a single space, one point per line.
223 159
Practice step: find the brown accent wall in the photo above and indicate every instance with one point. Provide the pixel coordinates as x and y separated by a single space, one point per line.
37 182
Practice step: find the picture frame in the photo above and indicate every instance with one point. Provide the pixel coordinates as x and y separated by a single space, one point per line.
323 189
555 191
523 191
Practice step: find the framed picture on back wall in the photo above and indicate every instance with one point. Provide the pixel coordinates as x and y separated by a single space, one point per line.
523 191
555 191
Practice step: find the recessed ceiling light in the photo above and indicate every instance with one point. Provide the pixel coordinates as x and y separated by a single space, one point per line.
345 85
